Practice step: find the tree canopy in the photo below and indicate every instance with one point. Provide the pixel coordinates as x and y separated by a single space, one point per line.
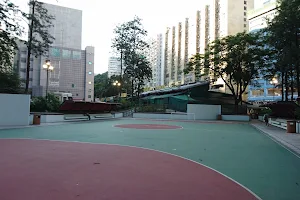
39 40
10 30
130 42
283 38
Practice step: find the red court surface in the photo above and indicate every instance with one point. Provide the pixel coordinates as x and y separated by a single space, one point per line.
148 126
48 170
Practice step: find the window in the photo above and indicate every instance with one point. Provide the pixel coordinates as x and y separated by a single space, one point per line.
23 60
245 8
73 85
76 55
66 53
245 2
90 83
89 96
259 92
245 19
90 63
90 73
245 14
55 52
245 25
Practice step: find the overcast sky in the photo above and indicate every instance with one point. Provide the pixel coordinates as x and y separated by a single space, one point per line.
100 17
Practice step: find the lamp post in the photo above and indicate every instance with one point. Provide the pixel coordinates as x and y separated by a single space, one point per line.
47 66
274 82
118 84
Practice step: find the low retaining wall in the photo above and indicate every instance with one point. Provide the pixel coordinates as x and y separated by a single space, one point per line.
240 118
54 118
160 116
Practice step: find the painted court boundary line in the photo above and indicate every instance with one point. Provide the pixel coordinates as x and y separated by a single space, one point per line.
116 126
277 141
244 187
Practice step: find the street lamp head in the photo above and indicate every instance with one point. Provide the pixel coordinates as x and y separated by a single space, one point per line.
119 84
51 68
48 62
114 83
45 66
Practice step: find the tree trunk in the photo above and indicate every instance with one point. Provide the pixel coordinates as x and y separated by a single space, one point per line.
132 89
292 86
236 105
282 86
29 49
286 87
297 65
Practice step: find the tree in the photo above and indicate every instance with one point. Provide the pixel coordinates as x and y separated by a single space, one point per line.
196 65
237 60
10 30
39 40
104 87
140 73
10 82
284 39
100 84
137 66
120 42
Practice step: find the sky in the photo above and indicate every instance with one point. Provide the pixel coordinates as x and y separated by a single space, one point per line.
101 17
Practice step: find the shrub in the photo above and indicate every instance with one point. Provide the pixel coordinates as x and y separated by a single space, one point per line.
41 104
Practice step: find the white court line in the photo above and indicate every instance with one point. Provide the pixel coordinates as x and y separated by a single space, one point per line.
247 189
115 126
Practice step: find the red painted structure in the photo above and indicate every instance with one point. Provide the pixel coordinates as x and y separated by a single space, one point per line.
81 107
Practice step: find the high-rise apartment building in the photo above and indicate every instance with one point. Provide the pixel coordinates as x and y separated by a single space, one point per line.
265 10
73 68
220 18
114 66
154 55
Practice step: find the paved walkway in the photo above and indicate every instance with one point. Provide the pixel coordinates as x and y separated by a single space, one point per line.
291 141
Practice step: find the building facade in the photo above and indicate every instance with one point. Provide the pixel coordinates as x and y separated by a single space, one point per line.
114 66
73 67
73 72
218 19
67 26
263 90
154 54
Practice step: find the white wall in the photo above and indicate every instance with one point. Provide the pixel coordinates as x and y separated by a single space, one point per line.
159 116
240 118
204 112
14 109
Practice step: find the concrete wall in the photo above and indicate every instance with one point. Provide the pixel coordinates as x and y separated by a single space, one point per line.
159 116
61 118
240 118
52 118
204 112
14 109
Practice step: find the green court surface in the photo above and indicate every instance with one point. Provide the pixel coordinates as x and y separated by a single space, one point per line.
236 150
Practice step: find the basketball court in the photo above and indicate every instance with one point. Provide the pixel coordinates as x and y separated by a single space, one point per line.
145 159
